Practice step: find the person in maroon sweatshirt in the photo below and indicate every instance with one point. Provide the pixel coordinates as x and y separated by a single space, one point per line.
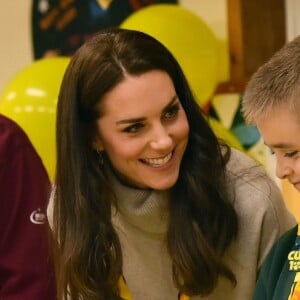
26 270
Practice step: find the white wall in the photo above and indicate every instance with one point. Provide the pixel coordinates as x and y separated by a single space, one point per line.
213 12
292 16
15 49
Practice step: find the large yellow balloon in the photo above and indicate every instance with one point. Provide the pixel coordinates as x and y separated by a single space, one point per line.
30 99
189 39
225 134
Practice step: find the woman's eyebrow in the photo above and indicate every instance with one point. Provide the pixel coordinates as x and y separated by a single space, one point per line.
129 121
141 119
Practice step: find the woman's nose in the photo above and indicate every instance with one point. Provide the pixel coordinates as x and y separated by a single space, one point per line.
160 139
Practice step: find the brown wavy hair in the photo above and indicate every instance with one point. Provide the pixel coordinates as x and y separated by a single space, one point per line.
202 220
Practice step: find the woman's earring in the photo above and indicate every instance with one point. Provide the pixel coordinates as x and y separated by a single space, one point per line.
100 156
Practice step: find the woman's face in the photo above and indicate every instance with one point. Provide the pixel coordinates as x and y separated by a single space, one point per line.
144 130
281 133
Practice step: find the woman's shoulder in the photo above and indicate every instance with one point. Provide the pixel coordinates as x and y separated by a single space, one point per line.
254 194
244 171
240 162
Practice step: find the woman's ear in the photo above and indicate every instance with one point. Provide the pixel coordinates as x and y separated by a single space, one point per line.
97 144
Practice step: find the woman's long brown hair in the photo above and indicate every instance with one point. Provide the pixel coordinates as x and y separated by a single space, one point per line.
203 222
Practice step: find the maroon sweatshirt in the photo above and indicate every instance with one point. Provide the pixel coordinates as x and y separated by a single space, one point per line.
26 271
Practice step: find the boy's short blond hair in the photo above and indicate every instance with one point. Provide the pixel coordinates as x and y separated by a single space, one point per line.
276 83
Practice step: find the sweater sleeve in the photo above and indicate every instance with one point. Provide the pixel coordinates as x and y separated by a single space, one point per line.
275 220
26 270
263 216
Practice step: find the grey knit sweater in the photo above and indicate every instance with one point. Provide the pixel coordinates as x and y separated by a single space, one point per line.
141 223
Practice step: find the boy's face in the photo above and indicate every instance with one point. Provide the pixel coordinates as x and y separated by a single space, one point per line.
281 133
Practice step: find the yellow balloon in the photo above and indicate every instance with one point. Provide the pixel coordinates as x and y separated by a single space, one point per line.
30 99
189 39
225 134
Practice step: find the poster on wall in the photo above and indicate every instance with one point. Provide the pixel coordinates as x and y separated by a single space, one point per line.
60 27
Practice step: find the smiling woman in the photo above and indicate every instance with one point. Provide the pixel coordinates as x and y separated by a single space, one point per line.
144 143
148 203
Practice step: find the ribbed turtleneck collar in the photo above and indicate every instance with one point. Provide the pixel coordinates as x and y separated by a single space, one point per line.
147 210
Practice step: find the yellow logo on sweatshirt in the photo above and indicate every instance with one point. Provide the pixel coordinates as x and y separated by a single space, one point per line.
294 260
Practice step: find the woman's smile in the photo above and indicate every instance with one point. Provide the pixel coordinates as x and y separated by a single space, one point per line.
157 162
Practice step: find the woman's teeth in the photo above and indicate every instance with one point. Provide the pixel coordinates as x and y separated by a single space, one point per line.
157 162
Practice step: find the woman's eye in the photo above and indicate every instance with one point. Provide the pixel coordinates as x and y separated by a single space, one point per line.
133 128
172 112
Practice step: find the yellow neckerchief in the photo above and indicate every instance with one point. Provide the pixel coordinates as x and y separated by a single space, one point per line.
125 293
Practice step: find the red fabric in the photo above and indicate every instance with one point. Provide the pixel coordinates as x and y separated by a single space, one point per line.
26 271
